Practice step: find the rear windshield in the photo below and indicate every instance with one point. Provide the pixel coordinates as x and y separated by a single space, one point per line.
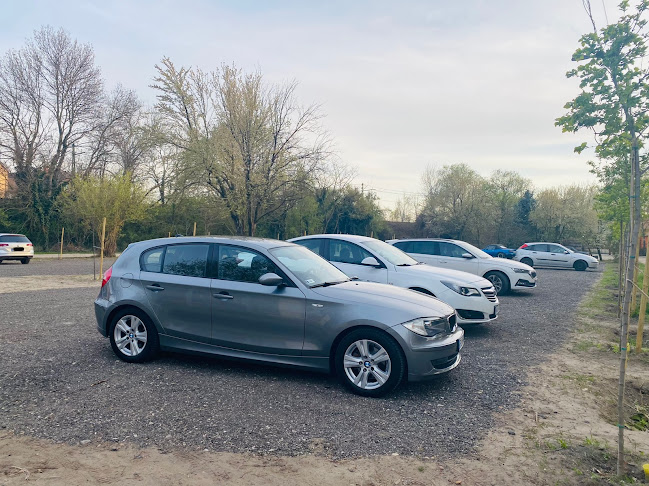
14 239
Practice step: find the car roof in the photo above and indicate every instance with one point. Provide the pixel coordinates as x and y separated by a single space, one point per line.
430 239
250 241
12 234
352 238
543 243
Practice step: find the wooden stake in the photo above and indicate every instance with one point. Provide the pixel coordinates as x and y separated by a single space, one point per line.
101 255
194 228
634 295
643 308
61 251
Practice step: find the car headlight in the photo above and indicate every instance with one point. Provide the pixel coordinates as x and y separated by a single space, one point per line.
521 270
465 291
428 326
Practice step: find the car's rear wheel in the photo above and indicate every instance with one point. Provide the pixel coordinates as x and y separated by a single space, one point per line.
580 265
499 280
500 254
527 261
25 261
133 336
369 362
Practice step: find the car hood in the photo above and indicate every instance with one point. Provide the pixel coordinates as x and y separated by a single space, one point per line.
415 304
438 273
502 263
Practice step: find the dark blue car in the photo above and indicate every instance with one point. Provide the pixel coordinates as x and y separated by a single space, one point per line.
499 251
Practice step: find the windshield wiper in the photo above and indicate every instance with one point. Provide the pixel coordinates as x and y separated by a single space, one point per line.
328 284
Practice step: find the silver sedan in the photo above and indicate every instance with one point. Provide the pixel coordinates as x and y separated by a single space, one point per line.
273 302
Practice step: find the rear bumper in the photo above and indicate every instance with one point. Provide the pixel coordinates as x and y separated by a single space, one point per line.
16 256
101 314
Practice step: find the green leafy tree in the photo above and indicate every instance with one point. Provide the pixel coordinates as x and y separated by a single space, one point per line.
614 105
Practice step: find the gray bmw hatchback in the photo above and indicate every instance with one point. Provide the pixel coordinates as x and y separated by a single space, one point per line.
274 302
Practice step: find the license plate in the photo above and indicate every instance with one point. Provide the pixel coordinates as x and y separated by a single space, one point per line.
19 248
496 309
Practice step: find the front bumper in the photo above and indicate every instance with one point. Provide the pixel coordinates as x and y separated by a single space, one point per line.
472 310
430 356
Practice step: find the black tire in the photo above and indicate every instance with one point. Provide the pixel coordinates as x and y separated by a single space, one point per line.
501 255
152 344
527 261
580 265
396 357
499 280
25 261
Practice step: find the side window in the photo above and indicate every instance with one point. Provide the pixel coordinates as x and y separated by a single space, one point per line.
539 247
187 260
151 260
425 247
555 249
313 245
243 265
450 250
404 246
346 252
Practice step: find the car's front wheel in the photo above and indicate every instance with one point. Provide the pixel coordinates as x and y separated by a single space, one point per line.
369 362
500 254
499 280
133 336
580 265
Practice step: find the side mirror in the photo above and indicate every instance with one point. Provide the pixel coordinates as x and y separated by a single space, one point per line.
566 252
468 256
271 280
371 262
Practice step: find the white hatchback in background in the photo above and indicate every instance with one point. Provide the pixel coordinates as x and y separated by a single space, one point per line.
15 247
473 298
541 254
504 274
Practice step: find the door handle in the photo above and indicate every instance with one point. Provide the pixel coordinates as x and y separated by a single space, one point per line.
155 287
223 296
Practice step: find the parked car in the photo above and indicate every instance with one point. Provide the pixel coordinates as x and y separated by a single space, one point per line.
541 254
16 247
473 298
500 251
504 274
273 302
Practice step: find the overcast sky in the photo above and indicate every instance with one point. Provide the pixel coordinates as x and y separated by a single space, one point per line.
403 84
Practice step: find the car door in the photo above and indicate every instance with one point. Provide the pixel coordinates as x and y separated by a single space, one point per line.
249 316
348 257
174 278
560 256
540 254
450 256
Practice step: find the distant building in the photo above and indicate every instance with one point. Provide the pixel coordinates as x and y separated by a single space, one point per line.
4 181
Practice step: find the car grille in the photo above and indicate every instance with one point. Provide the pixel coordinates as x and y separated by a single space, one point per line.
490 293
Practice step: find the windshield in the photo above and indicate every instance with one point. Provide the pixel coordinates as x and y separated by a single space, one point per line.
477 252
309 268
389 252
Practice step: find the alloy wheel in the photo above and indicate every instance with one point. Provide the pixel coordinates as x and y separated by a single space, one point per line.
130 335
367 364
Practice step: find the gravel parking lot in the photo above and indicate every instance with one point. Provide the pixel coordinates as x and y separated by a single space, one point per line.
59 379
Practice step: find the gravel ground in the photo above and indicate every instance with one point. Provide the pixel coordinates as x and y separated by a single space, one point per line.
59 379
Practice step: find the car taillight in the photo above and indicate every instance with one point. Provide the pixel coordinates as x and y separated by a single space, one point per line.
524 245
107 275
4 244
28 244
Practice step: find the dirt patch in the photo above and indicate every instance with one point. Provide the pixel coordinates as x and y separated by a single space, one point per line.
45 282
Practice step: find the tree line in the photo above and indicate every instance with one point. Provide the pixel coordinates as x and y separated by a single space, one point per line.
228 151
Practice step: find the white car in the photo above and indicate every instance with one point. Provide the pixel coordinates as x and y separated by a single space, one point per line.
541 254
15 247
504 274
473 298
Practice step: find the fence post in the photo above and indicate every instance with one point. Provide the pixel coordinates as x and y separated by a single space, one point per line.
194 228
101 257
634 295
61 251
